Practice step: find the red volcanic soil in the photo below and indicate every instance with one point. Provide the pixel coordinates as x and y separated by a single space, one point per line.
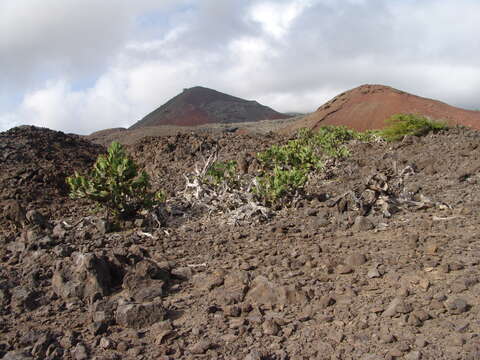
366 107
199 105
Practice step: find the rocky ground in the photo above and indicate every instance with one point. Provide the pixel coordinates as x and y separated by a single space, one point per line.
380 262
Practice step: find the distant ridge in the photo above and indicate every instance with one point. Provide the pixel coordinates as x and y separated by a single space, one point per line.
199 105
367 106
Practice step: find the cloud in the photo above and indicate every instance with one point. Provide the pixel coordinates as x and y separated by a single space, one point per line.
86 65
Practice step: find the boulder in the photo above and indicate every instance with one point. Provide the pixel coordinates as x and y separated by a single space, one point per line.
266 292
133 315
83 276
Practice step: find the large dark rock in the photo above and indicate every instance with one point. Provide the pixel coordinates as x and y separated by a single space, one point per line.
84 276
133 315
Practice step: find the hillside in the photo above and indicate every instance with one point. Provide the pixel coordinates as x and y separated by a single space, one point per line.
367 107
199 105
370 265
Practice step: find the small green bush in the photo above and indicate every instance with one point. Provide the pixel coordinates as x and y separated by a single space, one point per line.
278 183
223 171
401 125
115 184
286 168
295 154
331 140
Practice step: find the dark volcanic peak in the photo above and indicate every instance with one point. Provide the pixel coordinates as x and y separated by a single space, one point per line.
200 105
368 106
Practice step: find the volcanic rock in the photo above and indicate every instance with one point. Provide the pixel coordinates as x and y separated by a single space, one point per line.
139 315
82 277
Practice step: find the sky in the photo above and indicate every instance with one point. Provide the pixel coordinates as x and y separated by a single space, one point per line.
85 65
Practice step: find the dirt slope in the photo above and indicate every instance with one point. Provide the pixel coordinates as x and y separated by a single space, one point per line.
331 278
199 105
367 107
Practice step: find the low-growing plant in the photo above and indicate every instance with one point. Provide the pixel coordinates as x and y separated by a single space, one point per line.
278 183
115 184
401 125
331 140
286 168
223 171
295 154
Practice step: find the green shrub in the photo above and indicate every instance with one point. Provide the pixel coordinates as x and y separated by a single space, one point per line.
286 168
295 154
401 125
331 140
115 184
223 171
274 185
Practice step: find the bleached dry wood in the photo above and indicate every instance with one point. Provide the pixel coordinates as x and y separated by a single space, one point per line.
237 203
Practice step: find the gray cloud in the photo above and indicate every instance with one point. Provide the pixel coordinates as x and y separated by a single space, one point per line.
42 39
85 65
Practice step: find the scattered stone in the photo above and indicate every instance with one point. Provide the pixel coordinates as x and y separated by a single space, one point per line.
23 299
457 306
413 320
123 346
82 277
102 226
388 338
270 327
236 323
235 286
391 310
68 340
311 212
344 269
373 273
232 310
59 231
456 266
456 340
265 292
106 343
431 248
413 355
183 273
139 315
362 224
254 355
326 301
356 259
422 315
200 347
99 327
321 221
161 330
17 355
141 289
80 352
420 342
462 326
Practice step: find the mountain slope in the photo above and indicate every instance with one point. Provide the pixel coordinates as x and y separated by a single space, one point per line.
199 105
367 107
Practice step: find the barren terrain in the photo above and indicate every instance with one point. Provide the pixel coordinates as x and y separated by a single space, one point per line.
381 261
366 107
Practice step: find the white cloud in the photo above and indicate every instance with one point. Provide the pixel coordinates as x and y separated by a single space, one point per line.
276 18
292 55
